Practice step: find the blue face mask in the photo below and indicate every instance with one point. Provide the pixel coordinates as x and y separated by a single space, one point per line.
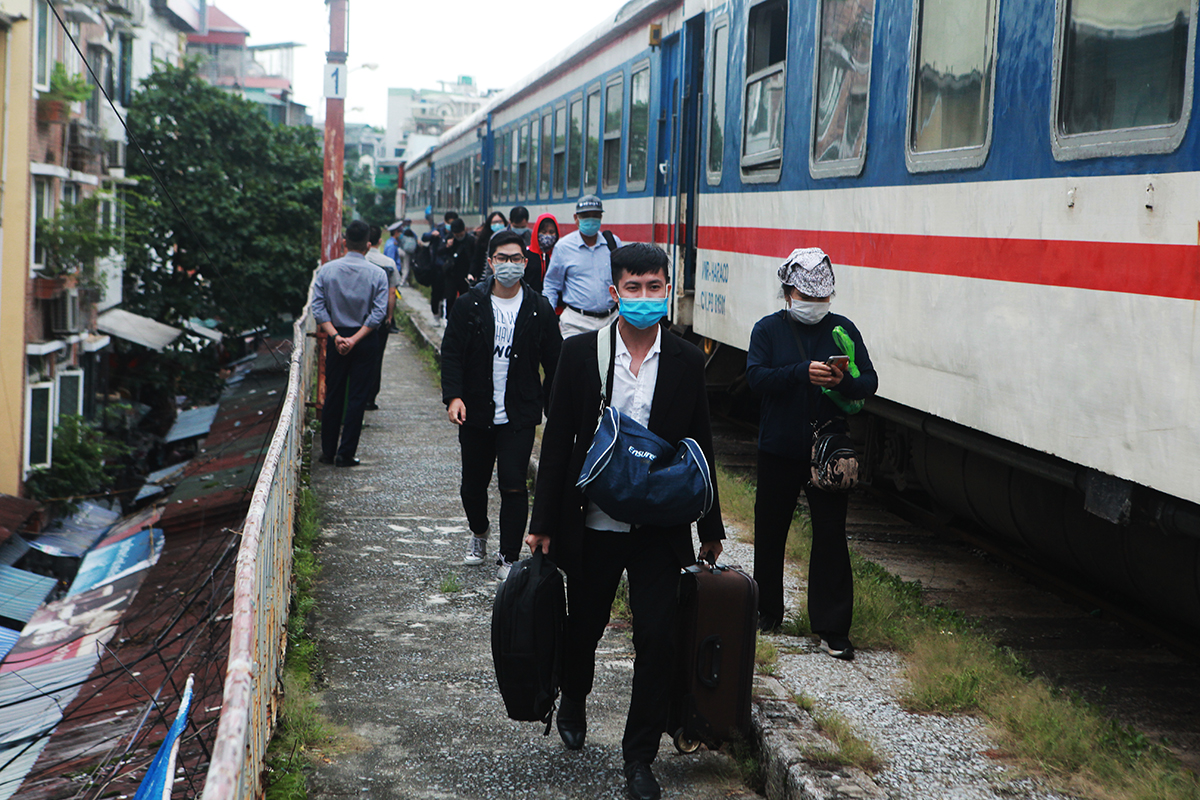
643 312
498 226
589 226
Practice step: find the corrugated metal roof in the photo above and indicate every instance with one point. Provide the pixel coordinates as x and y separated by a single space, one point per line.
15 763
12 550
32 699
72 536
8 638
192 423
137 329
22 592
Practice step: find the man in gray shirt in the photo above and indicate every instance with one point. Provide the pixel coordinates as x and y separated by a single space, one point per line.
349 303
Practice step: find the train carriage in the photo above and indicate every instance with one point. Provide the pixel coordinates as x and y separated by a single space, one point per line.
1008 191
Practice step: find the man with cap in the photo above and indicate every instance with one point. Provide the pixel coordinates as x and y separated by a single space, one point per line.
349 303
394 248
580 272
789 362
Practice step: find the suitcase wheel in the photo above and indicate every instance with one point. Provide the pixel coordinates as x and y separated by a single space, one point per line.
684 745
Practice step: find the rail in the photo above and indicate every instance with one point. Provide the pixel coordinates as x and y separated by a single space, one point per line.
262 593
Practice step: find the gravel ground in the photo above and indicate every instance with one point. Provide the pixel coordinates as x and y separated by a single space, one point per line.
925 756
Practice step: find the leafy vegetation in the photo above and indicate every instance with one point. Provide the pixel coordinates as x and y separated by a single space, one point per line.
852 749
73 239
84 462
67 88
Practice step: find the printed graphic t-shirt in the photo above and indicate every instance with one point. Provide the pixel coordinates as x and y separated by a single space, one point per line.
505 314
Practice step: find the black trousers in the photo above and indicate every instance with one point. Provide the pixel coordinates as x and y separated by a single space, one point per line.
653 573
381 337
507 448
347 381
437 291
830 581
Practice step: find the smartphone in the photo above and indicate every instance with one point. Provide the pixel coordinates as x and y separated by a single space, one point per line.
841 362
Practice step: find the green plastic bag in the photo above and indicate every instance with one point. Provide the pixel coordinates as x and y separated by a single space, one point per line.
846 345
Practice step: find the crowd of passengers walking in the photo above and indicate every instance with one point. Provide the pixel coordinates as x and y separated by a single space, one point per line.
531 322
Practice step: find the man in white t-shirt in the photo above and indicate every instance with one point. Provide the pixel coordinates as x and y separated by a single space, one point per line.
497 336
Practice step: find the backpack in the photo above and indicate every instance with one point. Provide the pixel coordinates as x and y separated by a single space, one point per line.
529 638
408 242
422 266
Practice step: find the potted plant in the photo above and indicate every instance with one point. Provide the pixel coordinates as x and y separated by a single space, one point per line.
71 242
64 88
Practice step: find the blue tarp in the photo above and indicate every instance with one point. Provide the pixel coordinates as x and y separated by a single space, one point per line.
160 778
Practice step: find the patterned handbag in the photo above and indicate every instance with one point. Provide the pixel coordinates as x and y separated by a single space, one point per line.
834 461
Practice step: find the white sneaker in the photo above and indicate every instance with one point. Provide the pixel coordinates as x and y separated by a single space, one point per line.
478 551
503 567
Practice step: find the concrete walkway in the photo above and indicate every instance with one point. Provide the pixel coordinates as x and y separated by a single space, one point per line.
404 629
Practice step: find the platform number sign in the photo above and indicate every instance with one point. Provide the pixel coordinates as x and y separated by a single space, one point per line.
335 81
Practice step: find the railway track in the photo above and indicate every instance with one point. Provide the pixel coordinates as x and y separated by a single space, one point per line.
1143 673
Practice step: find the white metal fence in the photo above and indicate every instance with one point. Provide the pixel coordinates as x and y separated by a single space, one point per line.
262 592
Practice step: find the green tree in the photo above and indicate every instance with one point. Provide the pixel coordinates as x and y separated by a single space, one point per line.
364 200
248 240
84 462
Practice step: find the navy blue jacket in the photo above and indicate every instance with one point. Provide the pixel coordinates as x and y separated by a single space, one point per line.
790 403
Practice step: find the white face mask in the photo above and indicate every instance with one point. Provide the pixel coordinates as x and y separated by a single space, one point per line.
808 313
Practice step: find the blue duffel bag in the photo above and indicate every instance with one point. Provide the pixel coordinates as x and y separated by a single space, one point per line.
636 476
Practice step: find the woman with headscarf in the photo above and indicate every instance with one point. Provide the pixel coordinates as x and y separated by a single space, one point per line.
495 222
788 364
545 236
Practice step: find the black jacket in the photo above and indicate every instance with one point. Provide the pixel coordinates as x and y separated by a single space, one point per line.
790 402
467 357
679 409
458 255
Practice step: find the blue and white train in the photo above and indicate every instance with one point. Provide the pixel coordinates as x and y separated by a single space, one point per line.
1008 191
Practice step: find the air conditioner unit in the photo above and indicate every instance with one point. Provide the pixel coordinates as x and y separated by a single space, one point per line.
64 313
114 154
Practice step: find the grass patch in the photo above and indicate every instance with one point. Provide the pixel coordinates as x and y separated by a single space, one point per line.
852 749
745 761
302 730
766 656
451 584
620 607
404 322
954 668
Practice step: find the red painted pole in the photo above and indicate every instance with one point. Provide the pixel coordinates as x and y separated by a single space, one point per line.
335 137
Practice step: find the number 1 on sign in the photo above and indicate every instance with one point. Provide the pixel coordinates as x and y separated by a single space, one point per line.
335 81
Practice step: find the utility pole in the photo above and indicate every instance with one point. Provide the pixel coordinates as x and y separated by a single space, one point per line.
335 131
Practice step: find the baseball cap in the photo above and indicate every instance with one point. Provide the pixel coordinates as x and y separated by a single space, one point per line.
589 202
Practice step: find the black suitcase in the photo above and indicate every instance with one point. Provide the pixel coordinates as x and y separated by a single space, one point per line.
718 625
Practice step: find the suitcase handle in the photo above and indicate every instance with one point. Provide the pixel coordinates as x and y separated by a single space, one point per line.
710 647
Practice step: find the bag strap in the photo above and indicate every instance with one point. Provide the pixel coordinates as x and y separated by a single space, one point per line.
609 240
796 335
606 352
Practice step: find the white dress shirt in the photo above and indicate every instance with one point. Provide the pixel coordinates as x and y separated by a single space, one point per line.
632 395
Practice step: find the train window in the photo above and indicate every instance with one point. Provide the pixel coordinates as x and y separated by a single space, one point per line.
951 82
766 63
575 148
717 82
639 128
840 87
523 164
614 102
514 152
560 151
591 146
535 142
547 158
497 160
1123 77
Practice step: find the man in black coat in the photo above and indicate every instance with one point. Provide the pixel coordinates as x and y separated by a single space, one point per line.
658 380
458 252
498 334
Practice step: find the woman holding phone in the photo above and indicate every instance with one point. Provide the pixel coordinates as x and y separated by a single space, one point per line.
794 354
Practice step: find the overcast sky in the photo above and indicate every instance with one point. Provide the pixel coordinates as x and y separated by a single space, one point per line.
418 46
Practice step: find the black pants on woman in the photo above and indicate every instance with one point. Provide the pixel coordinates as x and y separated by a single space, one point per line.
830 581
507 448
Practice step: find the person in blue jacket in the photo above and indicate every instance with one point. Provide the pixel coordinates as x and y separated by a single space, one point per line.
786 365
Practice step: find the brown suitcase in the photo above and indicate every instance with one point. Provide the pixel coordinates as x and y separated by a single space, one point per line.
718 624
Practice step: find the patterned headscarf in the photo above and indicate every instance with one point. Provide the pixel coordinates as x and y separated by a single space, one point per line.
809 270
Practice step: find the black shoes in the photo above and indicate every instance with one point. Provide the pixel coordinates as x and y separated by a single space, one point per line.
346 462
640 782
572 722
371 407
769 624
838 647
326 459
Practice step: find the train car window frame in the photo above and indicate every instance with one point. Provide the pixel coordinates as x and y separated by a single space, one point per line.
497 165
853 165
535 154
957 157
764 166
558 176
715 61
1148 139
592 151
609 151
546 153
574 147
637 182
523 132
